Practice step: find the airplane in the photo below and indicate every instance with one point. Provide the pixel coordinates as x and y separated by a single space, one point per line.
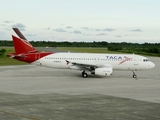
97 64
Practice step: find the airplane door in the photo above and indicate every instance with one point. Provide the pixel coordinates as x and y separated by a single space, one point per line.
136 61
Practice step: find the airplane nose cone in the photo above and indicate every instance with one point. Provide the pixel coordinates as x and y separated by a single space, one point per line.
152 65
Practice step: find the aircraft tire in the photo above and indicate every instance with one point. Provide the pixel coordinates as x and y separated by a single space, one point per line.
84 75
134 76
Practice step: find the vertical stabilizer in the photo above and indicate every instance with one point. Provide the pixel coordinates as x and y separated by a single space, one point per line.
22 46
16 30
24 51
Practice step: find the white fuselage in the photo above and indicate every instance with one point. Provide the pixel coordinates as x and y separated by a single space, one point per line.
116 61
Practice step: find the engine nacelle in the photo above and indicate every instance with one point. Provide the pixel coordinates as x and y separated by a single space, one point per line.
104 71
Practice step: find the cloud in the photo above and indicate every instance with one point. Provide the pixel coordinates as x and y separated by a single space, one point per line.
101 34
108 29
68 27
128 35
7 21
48 28
20 26
86 28
59 30
136 30
118 36
98 30
77 32
30 34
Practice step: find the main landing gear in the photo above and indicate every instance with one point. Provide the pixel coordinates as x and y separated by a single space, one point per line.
84 74
134 74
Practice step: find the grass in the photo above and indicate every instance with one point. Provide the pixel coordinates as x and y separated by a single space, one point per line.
8 61
88 50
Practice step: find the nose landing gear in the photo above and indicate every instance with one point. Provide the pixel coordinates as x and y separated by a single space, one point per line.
134 74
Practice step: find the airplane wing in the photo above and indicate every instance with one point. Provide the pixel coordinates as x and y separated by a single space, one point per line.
86 65
97 69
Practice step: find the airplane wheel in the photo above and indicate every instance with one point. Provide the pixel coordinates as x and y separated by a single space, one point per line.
134 76
85 75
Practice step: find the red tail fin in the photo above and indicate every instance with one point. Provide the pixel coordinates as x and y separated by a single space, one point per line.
24 51
22 46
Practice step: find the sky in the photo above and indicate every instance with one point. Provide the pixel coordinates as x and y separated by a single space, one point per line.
136 21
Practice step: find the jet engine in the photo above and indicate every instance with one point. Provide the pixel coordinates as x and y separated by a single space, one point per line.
104 71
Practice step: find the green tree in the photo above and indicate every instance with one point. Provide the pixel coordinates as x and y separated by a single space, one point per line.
2 52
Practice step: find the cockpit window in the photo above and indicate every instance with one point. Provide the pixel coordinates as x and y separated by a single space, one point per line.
145 60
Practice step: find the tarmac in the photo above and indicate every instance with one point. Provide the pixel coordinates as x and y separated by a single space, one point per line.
30 92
